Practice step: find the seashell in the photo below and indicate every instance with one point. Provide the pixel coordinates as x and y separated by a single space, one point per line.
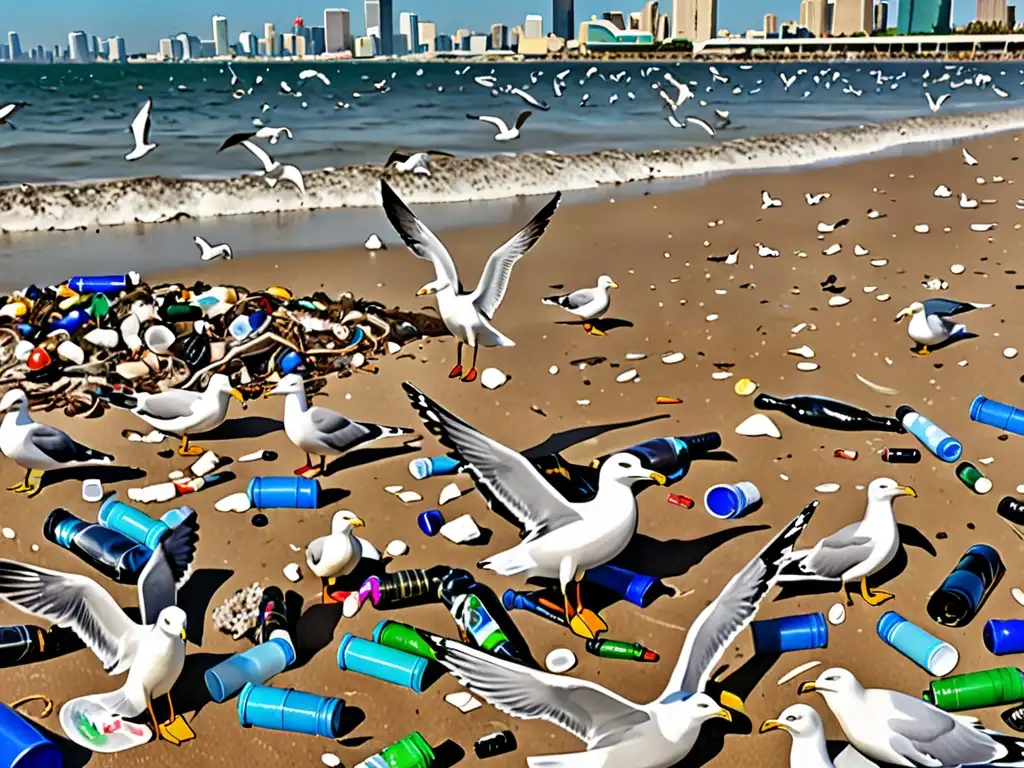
553 370
838 301
236 502
832 250
744 387
583 402
957 269
1018 595
882 297
635 355
711 318
879 262
461 530
803 351
827 488
8 533
673 357
330 760
625 376
449 493
394 348
292 572
869 288
942 191
721 375
351 605
807 367
68 350
463 701
560 661
409 497
837 614
396 548
373 243
982 227
921 228
860 250
492 378
107 338
1010 352
758 425
393 489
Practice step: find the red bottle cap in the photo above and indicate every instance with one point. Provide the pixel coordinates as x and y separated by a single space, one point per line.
38 359
681 501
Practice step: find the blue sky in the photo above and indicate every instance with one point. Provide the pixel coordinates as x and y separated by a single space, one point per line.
142 24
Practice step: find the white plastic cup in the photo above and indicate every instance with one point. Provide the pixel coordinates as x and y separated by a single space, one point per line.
728 501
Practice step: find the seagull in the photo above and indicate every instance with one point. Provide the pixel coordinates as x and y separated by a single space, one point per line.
563 539
616 731
969 159
858 550
180 412
339 553
273 171
530 99
152 653
210 252
322 432
468 316
140 131
274 134
504 132
767 201
415 162
787 82
894 728
815 199
936 104
588 303
38 448
701 124
7 112
930 324
803 723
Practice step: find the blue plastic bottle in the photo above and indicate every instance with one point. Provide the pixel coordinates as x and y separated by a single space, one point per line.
22 746
379 661
256 666
285 709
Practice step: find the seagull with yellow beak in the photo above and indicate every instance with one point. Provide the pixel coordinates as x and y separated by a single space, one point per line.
803 723
339 553
587 303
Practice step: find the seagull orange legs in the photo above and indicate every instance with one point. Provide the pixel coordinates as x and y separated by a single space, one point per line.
307 470
582 621
457 370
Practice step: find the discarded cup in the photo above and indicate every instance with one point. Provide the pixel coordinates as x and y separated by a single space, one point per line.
977 690
422 468
934 438
729 501
790 633
285 709
255 666
938 658
284 492
92 491
379 661
1004 636
998 415
22 746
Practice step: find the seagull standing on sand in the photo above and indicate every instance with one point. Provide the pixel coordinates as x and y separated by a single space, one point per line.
273 171
340 552
897 729
930 324
617 732
467 316
562 539
210 252
803 723
504 132
152 653
7 112
588 303
181 412
859 550
38 448
140 132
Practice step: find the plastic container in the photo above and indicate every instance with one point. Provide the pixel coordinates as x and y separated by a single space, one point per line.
977 690
22 644
962 593
290 362
971 476
430 522
256 666
422 468
381 662
790 633
1011 509
730 500
403 588
22 746
111 553
402 637
284 492
72 322
933 437
411 752
492 745
133 523
619 649
1004 636
901 455
998 415
521 601
936 657
103 283
285 709
637 588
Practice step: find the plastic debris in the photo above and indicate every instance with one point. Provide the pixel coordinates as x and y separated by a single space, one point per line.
759 425
449 493
560 661
463 701
292 572
461 530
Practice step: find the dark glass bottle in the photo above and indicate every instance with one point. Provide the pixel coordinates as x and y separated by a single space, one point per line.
482 619
111 553
273 614
827 413
26 644
409 587
1011 509
964 590
495 744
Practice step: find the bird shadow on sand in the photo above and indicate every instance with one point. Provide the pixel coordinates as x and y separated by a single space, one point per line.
243 428
74 755
190 693
603 324
361 456
947 343
107 475
194 598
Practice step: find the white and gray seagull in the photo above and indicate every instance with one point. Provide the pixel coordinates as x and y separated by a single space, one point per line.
588 303
209 252
273 171
618 732
896 729
140 132
562 539
7 112
803 723
468 316
504 132
930 322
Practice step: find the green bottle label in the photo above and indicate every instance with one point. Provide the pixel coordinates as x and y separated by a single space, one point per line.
474 618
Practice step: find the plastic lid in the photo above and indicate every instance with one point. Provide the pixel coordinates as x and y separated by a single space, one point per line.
983 485
560 660
92 491
943 660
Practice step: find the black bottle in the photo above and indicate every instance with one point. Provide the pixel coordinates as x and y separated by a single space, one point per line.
1011 509
273 614
26 644
111 553
962 593
413 586
827 413
495 744
482 619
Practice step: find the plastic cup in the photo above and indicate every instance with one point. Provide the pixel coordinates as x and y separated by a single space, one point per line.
256 666
285 709
1004 636
22 746
805 632
998 415
284 492
937 657
379 661
729 501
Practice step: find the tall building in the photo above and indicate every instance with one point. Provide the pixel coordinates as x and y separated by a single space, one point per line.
317 41
78 47
56 53
664 28
812 16
95 50
428 36
409 25
563 19
881 16
649 16
220 35
288 44
987 12
924 17
830 16
853 16
387 28
337 30
117 49
617 18
444 43
270 38
695 20
371 10
534 26
635 19
166 49
771 24
189 46
248 43
499 37
14 46
1011 16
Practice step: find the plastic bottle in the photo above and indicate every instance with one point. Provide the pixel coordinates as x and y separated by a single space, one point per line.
962 593
22 746
411 752
22 644
637 588
827 413
790 633
111 553
482 619
402 637
132 522
404 588
1011 509
998 415
285 709
932 436
255 666
273 614
381 662
977 690
495 744
112 284
527 601
617 649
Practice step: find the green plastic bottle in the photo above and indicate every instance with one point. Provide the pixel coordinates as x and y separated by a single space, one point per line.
618 649
977 690
411 752
402 637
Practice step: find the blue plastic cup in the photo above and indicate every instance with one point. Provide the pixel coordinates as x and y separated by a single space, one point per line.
285 709
730 500
132 522
284 492
932 436
805 632
381 662
422 468
1004 636
256 666
998 415
22 746
430 522
935 656
637 588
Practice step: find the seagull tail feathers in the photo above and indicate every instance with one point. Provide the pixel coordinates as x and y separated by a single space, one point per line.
554 301
958 330
396 431
509 563
92 456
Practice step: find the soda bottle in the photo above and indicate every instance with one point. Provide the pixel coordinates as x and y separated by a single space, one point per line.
26 644
827 413
481 618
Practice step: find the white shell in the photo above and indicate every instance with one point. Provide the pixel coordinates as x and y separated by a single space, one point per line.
410 496
107 338
860 250
635 355
882 297
807 367
584 403
837 614
921 228
463 701
331 761
827 488
803 351
721 375
673 357
159 338
869 288
292 572
957 269
396 548
832 250
560 660
1018 595
461 530
8 533
492 378
392 489
879 262
394 347
982 227
351 605
449 493
711 318
553 370
758 425
625 376
838 301
236 502
373 243
1009 353
942 191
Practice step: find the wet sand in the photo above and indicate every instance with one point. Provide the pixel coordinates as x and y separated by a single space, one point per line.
644 243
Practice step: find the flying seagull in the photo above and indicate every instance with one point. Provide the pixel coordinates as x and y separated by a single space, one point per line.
38 448
140 132
504 132
588 303
210 252
936 104
616 731
7 112
467 316
530 99
413 162
930 322
273 171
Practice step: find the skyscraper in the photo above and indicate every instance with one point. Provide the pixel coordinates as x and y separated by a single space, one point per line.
499 37
387 28
812 16
14 46
617 18
220 35
852 16
649 16
428 36
924 17
881 16
534 26
317 41
337 30
95 50
986 11
78 47
563 19
249 43
270 38
695 20
189 46
166 49
117 49
771 24
409 25
371 10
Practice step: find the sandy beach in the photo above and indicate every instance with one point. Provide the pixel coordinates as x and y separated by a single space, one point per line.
731 317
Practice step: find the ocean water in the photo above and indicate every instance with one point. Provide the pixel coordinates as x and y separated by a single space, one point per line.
64 168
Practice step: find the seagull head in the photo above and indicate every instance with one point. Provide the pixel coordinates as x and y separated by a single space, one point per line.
702 707
15 398
832 682
221 385
291 384
172 621
606 282
799 721
344 521
627 469
433 287
913 309
886 489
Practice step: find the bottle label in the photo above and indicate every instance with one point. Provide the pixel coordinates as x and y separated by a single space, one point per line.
474 618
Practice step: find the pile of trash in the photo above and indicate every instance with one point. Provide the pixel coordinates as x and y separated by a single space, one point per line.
60 342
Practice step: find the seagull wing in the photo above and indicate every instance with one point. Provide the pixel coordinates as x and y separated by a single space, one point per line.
76 603
235 139
169 405
836 554
587 711
203 244
925 734
949 307
396 157
521 120
168 569
260 154
497 122
702 124
337 431
720 623
574 300
501 474
56 445
7 110
420 240
140 125
494 279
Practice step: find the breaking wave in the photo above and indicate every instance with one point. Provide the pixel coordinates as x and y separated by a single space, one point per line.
159 199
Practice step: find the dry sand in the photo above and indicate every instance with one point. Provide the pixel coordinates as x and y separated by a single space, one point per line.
644 243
